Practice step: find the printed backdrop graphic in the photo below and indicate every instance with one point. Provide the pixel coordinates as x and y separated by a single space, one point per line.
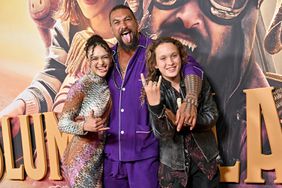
237 42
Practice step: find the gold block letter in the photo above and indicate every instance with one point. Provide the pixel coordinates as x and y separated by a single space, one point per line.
2 165
260 101
12 172
40 170
55 141
230 173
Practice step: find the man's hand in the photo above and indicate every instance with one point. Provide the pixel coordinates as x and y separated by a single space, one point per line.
93 124
186 115
152 90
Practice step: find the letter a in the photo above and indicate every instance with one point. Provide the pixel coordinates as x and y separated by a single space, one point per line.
260 101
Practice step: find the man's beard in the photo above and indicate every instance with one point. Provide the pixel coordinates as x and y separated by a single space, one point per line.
129 47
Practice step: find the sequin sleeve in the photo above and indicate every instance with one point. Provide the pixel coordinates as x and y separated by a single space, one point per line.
67 123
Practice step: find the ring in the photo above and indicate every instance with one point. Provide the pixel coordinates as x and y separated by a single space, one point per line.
187 124
143 83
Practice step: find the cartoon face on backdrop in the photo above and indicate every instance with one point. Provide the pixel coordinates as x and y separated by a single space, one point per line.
42 13
205 27
133 5
92 8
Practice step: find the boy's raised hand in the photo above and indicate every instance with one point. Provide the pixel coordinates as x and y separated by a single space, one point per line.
152 90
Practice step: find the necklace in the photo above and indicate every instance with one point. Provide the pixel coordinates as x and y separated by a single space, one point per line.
115 82
121 68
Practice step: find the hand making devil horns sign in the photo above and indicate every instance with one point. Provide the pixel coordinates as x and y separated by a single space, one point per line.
152 90
153 93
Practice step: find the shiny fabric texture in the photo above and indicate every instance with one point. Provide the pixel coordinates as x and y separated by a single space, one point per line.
83 158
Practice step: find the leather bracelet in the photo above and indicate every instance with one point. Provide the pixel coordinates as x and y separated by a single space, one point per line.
191 100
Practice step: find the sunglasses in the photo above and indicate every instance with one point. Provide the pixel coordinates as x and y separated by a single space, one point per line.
218 10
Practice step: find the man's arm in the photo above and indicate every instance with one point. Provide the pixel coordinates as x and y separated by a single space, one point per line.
187 112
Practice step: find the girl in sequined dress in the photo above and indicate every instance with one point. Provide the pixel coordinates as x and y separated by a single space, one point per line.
88 102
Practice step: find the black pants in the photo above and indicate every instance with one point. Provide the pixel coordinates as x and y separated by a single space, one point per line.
169 178
199 180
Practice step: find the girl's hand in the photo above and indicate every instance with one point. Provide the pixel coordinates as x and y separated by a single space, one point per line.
93 124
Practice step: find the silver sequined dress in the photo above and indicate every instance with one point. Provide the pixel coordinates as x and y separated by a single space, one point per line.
83 160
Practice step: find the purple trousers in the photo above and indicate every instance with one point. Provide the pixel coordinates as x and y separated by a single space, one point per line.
132 174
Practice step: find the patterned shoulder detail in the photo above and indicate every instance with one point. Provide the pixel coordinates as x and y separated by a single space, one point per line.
77 87
91 78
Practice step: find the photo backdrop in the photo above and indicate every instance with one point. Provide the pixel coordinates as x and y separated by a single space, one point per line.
240 55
